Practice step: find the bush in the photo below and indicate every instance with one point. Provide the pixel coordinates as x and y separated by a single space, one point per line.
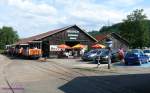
1 51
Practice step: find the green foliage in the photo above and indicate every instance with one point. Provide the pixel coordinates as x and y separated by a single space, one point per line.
136 15
135 29
113 28
7 36
93 33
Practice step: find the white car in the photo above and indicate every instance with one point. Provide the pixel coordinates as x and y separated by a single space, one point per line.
147 52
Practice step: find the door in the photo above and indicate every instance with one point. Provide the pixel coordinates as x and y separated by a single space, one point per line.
45 48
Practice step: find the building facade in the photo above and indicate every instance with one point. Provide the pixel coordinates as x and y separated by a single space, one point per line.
71 35
117 40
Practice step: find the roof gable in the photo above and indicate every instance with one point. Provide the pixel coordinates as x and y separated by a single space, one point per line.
105 36
49 33
101 37
120 38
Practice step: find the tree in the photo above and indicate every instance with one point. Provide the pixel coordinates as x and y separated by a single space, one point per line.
94 33
113 28
135 29
7 36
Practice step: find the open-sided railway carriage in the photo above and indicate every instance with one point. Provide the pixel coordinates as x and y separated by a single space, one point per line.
33 49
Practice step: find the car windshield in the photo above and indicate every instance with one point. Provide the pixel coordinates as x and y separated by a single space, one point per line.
93 51
105 52
146 51
99 52
137 51
129 53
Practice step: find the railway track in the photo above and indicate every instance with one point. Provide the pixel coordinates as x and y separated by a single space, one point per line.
61 71
69 74
8 87
8 83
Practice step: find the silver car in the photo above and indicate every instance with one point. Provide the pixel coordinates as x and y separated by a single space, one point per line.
90 56
103 56
147 52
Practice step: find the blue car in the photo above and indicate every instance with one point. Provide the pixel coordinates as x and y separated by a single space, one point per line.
135 56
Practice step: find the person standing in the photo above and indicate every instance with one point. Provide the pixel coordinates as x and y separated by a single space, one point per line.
121 55
82 52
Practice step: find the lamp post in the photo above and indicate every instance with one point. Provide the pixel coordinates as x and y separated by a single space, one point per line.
109 45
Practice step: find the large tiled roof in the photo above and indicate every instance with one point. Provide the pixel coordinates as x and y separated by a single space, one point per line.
104 36
43 35
101 37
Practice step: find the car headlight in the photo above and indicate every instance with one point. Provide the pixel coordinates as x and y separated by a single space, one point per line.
92 55
106 56
138 55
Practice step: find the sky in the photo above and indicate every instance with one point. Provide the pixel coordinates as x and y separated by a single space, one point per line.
32 17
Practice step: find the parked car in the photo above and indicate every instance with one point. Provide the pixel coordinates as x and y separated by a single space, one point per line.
136 51
135 56
147 52
104 54
89 56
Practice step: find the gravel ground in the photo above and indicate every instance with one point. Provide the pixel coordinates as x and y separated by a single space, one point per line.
71 76
116 68
3 63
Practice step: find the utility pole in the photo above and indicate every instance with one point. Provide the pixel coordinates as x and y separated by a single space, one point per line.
109 45
109 57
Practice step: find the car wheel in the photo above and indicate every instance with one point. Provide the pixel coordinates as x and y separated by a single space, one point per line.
126 63
140 62
147 61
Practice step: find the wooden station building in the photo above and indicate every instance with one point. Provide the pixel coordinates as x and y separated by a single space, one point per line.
117 40
70 35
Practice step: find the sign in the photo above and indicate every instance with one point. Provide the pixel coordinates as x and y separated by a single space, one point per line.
73 38
73 34
54 48
73 31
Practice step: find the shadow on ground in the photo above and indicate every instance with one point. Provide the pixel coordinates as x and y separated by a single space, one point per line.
135 83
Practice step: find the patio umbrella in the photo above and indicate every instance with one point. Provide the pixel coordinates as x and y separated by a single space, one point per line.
63 46
79 46
98 46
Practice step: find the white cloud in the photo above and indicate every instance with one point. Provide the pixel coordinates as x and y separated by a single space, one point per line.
29 6
26 16
31 17
123 2
2 1
97 14
87 13
146 11
1 24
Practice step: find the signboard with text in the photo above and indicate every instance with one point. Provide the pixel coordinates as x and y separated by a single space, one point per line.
54 48
73 34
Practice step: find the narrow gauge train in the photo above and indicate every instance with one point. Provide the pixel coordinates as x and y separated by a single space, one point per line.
32 49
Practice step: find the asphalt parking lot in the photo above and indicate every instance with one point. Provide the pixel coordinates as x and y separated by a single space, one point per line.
71 76
116 68
146 65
